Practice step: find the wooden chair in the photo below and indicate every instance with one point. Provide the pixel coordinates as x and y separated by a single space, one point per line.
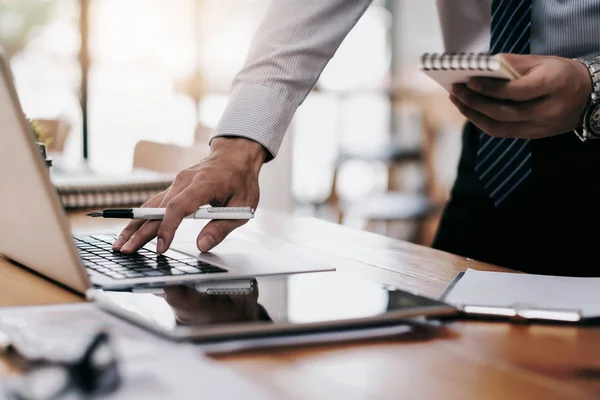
168 158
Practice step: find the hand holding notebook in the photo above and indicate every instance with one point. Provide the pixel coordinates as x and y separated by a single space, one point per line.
521 96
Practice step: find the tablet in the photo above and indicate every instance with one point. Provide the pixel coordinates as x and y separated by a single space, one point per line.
278 305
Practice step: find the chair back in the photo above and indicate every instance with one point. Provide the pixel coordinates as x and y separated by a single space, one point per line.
168 158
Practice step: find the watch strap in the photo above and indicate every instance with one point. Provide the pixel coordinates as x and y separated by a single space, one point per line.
593 66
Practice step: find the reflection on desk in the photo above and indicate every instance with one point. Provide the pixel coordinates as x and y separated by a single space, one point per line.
191 307
279 304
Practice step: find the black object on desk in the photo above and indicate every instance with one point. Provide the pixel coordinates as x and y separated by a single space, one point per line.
96 372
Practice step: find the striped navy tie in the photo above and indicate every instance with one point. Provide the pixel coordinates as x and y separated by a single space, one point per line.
503 164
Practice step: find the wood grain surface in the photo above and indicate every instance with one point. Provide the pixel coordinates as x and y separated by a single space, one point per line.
466 359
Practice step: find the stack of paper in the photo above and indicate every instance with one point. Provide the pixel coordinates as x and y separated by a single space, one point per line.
533 293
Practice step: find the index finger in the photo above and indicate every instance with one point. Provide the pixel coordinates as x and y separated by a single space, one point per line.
126 233
134 225
181 205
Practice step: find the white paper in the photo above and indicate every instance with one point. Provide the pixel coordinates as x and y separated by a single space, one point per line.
151 368
60 332
514 290
184 373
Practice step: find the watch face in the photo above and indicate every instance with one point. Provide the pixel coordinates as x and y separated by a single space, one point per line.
593 120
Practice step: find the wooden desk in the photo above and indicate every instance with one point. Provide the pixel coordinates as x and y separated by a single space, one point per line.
470 360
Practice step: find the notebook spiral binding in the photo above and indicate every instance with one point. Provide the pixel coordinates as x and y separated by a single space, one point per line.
456 62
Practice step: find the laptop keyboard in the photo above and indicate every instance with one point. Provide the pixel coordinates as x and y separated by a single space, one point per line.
99 259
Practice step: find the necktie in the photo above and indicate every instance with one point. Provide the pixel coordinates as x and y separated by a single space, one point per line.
503 164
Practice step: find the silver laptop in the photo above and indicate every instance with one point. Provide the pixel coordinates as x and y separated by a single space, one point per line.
34 230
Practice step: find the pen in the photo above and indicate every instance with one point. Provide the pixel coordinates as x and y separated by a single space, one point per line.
159 213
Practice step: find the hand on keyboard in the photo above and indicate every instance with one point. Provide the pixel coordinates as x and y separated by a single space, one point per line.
99 259
227 177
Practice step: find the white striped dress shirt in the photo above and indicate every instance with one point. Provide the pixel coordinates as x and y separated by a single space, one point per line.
298 37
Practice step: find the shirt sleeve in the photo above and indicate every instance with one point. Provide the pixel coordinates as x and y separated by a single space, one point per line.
291 48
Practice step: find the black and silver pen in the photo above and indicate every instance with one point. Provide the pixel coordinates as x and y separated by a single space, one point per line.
159 213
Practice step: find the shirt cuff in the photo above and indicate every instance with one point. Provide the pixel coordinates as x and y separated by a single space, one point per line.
257 112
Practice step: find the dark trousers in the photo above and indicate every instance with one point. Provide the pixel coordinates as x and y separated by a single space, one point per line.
549 225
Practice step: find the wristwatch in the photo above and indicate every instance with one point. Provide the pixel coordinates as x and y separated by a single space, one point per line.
590 123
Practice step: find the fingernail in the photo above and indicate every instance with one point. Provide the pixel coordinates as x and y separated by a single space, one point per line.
206 242
127 247
118 242
160 246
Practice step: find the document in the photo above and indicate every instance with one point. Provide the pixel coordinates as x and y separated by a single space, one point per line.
534 294
151 368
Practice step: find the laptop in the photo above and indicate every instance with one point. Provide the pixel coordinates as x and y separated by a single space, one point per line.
35 232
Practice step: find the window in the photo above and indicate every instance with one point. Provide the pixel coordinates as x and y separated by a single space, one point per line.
159 67
351 111
41 41
138 49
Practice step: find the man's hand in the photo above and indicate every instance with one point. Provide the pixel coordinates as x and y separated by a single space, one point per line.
194 308
227 177
548 98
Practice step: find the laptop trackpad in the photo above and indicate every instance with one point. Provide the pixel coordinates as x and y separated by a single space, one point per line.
238 255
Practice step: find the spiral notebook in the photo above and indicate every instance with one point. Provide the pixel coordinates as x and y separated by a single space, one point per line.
88 189
450 68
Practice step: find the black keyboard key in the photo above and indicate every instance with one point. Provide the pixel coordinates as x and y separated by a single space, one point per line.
204 264
177 265
138 267
149 264
128 263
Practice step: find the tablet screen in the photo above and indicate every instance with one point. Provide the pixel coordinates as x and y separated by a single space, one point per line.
297 299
